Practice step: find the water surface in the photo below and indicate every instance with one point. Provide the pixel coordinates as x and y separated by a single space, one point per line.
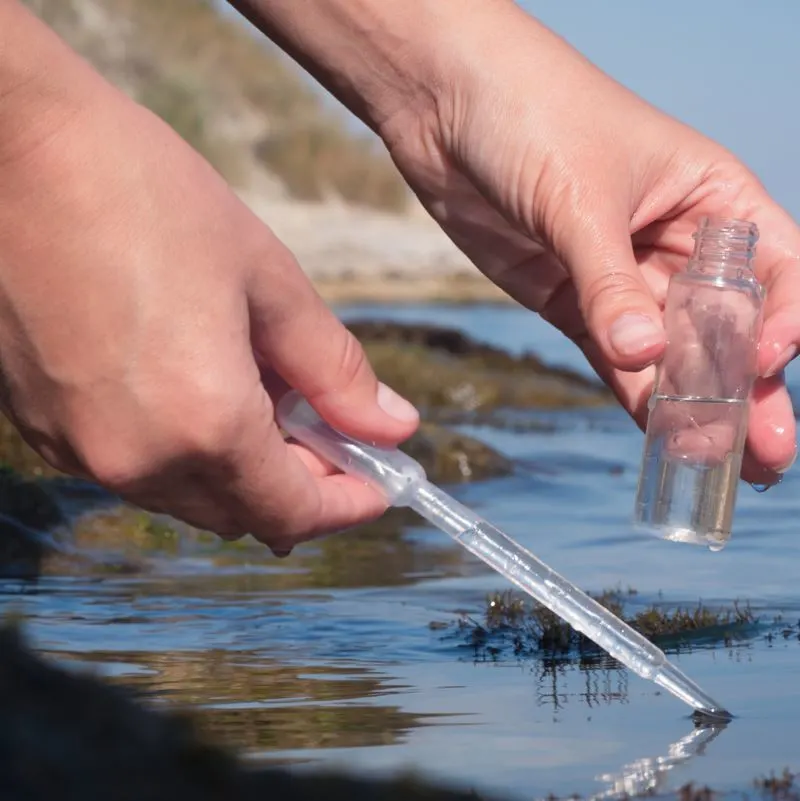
328 658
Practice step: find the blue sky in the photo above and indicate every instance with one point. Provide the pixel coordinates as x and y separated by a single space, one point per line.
729 69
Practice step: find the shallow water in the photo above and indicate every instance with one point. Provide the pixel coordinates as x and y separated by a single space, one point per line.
328 657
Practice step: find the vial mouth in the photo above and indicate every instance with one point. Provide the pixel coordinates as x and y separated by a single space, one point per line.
727 228
725 238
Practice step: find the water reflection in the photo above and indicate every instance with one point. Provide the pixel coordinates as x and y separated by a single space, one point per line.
650 775
601 681
585 676
602 684
256 704
377 554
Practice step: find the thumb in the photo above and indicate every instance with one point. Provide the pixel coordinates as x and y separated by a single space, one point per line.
295 334
618 308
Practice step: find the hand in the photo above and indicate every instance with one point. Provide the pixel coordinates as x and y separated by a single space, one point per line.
148 322
580 200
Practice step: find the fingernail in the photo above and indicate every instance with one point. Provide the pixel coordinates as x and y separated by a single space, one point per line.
395 405
781 362
633 333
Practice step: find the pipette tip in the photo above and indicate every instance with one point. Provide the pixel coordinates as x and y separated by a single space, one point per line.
681 686
711 717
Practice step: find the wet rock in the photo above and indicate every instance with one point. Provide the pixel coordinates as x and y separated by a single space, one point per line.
66 735
29 514
17 455
29 502
450 458
442 369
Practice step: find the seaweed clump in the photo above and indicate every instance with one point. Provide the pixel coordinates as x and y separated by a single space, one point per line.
528 627
782 787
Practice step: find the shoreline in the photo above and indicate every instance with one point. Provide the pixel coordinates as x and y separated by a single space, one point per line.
457 289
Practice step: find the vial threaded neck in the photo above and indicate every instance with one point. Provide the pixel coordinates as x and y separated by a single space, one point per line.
724 246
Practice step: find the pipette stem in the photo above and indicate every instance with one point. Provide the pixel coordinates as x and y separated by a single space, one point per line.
403 481
548 587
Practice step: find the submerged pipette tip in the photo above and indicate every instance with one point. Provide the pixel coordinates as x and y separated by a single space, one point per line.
681 686
404 483
711 717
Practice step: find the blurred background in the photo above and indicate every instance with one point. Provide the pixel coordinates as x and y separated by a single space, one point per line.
323 183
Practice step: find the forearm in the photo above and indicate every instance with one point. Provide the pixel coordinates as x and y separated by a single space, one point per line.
377 56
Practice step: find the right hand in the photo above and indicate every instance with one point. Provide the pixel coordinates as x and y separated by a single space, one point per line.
149 321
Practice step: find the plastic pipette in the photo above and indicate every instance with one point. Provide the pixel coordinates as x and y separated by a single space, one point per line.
404 483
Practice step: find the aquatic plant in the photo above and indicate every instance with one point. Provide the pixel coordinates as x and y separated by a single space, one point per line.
780 787
530 628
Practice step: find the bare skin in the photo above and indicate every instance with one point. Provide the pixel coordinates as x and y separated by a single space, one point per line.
570 192
149 322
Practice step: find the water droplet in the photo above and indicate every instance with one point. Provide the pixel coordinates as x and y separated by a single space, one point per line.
716 547
764 487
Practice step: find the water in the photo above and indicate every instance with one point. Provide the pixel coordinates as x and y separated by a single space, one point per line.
692 459
587 616
329 658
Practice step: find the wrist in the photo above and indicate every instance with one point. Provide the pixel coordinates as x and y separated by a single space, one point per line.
43 84
381 58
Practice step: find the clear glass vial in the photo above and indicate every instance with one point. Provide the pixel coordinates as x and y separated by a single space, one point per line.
697 421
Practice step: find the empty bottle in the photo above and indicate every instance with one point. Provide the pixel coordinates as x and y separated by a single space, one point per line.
697 421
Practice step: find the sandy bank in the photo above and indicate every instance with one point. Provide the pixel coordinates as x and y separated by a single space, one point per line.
358 255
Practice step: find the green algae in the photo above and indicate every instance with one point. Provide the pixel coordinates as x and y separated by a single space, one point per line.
443 372
453 458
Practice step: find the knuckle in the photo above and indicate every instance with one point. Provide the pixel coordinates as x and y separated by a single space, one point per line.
111 465
608 293
353 361
288 524
346 368
213 426
199 439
